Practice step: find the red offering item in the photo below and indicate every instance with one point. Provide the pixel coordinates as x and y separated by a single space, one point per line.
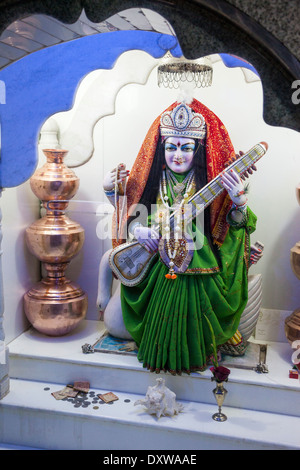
293 374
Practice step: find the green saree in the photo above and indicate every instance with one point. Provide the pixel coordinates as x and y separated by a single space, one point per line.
172 321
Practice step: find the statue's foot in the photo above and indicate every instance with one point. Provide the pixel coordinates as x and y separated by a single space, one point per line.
236 346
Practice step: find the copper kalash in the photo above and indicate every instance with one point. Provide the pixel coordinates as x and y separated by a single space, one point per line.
292 322
55 305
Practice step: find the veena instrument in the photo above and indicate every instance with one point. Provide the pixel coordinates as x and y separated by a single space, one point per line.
130 261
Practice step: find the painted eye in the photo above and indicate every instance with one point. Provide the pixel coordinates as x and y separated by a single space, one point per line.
189 148
170 148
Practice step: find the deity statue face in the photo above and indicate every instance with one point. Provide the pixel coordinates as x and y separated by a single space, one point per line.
179 153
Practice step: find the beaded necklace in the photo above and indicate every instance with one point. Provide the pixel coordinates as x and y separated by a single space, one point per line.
176 187
187 186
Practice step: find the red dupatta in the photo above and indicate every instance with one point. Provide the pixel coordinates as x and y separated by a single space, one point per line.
219 150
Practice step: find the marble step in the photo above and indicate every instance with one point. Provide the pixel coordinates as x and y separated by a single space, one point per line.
31 417
60 360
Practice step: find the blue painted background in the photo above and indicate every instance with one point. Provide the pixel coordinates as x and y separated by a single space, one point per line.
234 61
44 83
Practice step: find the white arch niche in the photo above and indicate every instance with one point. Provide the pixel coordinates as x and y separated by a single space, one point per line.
111 115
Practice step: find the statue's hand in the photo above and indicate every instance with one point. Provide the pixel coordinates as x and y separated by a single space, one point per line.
117 175
147 237
234 186
255 254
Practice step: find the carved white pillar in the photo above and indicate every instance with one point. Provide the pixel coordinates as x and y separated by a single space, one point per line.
4 378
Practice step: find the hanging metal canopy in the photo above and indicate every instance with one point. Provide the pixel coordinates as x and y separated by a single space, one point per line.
173 73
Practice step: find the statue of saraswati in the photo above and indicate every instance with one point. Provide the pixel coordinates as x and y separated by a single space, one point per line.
182 249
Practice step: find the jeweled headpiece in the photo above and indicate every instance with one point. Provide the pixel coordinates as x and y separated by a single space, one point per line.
182 122
219 152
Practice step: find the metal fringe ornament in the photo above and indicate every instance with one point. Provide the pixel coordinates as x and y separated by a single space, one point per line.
174 74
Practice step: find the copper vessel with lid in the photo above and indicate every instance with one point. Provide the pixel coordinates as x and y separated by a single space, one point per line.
55 306
292 322
292 326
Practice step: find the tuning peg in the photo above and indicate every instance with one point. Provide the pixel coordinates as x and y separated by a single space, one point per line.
231 160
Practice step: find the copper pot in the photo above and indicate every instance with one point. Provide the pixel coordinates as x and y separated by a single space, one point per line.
54 239
295 259
292 322
54 180
55 306
298 193
292 326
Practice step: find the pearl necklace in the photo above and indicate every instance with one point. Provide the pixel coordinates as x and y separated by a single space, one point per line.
178 202
180 187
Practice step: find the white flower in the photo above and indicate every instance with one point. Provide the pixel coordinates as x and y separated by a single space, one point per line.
185 94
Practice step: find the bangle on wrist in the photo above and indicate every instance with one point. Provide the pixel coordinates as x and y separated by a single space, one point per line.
109 192
235 223
240 206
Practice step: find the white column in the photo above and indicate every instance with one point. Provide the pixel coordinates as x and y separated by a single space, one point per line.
4 378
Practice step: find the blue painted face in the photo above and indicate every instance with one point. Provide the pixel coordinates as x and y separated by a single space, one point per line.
179 153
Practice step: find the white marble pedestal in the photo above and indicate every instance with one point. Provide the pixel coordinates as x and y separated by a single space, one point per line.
263 410
4 378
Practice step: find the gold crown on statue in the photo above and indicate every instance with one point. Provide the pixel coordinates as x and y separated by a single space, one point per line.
182 122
